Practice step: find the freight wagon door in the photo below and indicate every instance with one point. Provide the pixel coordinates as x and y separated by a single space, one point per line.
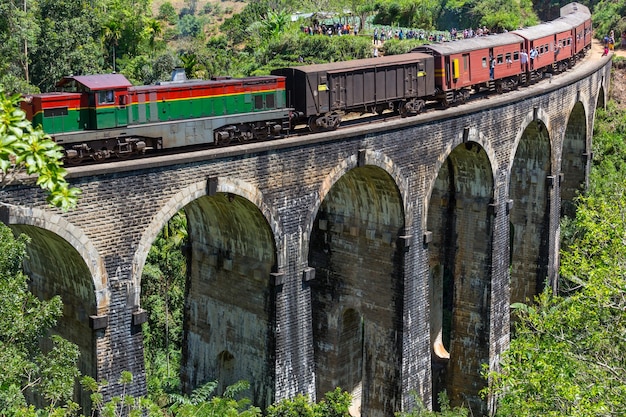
337 84
410 81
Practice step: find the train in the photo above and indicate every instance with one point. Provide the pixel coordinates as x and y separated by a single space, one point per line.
96 117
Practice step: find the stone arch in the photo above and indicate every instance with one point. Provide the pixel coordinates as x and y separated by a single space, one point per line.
601 99
529 188
358 256
230 298
537 115
364 157
460 225
465 136
75 237
194 192
574 158
225 371
63 261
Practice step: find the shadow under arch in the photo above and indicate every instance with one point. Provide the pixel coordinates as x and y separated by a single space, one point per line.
188 195
460 257
469 135
234 244
574 159
363 158
63 261
529 189
357 296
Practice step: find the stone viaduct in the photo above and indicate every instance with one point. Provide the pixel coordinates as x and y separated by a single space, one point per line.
380 259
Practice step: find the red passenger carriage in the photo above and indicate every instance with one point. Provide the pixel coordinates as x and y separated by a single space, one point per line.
466 64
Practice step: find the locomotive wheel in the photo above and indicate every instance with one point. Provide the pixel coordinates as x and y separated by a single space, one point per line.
74 161
123 155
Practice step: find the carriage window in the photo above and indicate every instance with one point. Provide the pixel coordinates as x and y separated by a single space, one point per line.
508 57
269 101
258 102
500 59
60 111
484 62
465 61
515 55
546 48
106 97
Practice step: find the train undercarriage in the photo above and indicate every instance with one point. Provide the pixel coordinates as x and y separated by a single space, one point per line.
119 147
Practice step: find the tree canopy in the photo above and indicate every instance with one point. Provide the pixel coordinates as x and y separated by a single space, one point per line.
567 353
26 150
27 369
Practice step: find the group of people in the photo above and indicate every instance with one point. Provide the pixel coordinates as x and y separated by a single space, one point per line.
609 43
330 30
382 34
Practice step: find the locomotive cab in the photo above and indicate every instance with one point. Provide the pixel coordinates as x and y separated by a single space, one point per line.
104 100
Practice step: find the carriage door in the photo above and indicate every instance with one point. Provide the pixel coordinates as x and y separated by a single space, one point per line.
466 75
121 111
448 72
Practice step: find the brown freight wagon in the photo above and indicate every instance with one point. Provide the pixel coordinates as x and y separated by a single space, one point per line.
321 94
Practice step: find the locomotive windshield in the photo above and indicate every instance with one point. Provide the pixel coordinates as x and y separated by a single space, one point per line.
106 97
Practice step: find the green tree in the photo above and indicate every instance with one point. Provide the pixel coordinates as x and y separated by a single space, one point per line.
68 43
497 15
168 13
111 35
444 404
202 402
27 369
334 404
567 356
162 295
18 32
26 150
607 16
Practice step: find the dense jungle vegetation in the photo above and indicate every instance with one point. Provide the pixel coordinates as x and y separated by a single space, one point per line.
567 355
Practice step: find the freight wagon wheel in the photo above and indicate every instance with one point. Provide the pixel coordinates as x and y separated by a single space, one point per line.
313 126
402 109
